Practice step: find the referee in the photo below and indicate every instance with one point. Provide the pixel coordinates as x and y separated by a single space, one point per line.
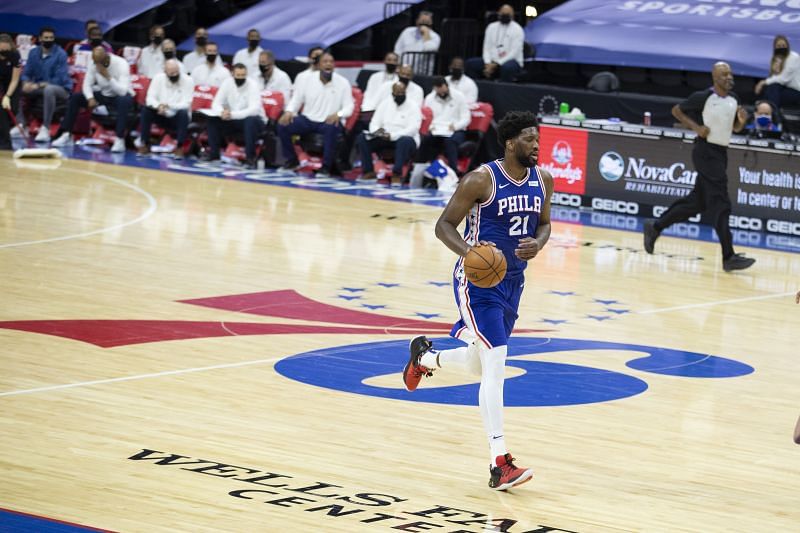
712 114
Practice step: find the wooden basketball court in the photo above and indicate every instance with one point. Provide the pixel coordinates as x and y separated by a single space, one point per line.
147 384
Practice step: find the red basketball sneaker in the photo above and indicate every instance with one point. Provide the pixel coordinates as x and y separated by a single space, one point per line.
413 372
506 475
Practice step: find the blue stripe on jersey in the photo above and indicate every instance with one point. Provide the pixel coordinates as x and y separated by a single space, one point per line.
510 214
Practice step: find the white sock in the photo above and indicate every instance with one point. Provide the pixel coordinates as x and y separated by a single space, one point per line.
490 398
430 359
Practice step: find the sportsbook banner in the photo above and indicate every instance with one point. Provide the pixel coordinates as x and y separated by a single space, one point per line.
640 175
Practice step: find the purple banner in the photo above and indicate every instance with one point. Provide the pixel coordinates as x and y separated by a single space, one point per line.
68 17
672 34
289 28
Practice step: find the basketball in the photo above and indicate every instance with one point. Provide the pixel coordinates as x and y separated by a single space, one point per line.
485 266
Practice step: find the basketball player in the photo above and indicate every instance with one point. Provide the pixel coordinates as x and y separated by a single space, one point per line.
507 204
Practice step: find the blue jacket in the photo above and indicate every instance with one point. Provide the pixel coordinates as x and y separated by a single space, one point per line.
52 69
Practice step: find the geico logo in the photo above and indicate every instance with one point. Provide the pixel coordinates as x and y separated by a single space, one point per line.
617 206
783 226
682 229
754 224
566 215
562 198
746 237
659 210
614 221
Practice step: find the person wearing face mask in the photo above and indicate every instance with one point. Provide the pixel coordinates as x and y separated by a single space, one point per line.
314 54
169 99
451 117
372 94
249 56
212 72
418 38
151 59
326 100
502 49
82 52
107 83
460 82
763 124
46 77
197 56
712 114
782 87
10 73
270 77
236 109
168 48
395 125
405 75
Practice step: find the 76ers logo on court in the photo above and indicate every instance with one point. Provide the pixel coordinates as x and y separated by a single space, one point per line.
538 377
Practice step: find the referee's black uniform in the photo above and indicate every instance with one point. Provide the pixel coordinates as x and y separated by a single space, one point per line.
710 157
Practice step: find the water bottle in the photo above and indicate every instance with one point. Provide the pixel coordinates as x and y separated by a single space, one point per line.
647 118
563 108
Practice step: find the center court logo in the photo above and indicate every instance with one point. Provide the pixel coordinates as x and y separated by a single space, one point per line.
611 166
373 369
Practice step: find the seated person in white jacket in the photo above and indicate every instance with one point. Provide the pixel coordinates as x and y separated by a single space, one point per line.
503 44
326 99
782 87
395 124
405 75
372 94
462 83
236 108
211 72
272 78
451 117
249 56
169 99
107 83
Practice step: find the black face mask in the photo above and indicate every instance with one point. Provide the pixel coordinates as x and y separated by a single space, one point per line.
175 78
47 45
4 53
315 60
265 69
211 58
445 96
326 75
97 42
456 73
505 19
253 43
403 80
424 24
158 40
391 67
200 41
169 54
399 99
781 52
239 81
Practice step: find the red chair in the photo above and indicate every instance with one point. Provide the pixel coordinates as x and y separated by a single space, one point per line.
427 118
482 116
202 98
273 104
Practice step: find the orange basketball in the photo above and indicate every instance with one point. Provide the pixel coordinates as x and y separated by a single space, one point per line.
485 266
